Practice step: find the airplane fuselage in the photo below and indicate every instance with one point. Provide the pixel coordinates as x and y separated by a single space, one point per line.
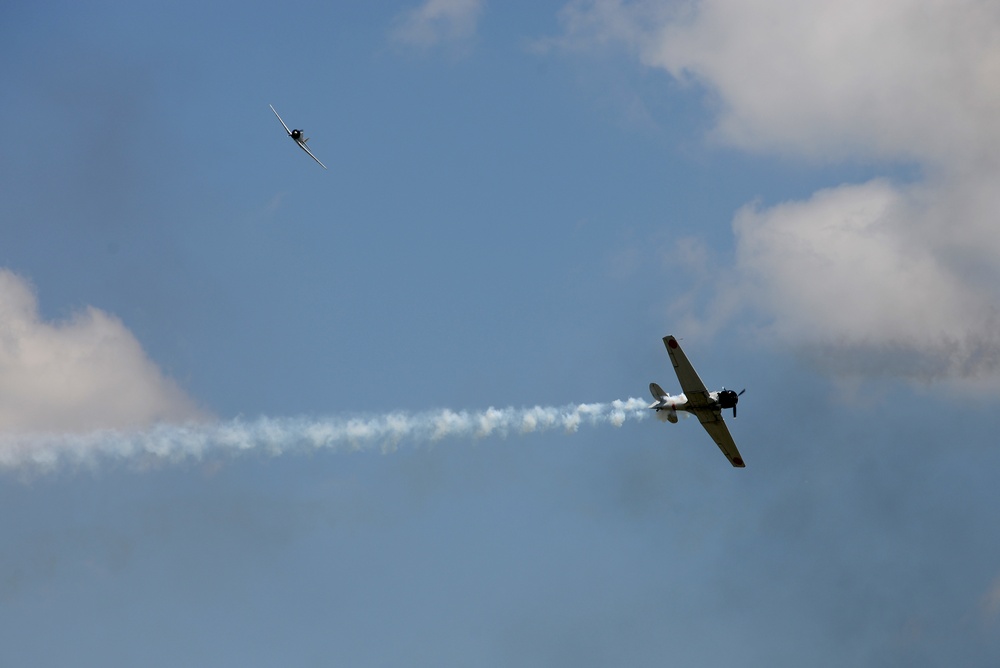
678 402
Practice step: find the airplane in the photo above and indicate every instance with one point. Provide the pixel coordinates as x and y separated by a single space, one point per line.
297 136
697 400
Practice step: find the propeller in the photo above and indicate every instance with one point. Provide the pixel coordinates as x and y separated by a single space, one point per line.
729 399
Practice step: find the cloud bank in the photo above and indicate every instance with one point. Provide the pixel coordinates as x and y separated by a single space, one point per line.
83 374
869 271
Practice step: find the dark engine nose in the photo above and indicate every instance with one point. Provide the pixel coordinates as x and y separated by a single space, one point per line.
729 399
296 134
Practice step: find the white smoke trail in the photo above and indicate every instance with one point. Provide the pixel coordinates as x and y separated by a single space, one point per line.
276 436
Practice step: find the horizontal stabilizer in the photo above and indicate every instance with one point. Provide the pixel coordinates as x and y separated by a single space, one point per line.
657 391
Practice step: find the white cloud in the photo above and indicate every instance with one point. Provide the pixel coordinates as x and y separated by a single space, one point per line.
438 21
871 269
895 78
86 373
825 78
838 253
853 276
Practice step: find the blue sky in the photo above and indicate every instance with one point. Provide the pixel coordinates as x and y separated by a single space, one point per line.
522 199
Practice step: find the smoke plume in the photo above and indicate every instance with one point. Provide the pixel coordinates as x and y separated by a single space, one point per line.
276 436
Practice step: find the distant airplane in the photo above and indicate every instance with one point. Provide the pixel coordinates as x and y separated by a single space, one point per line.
696 399
297 136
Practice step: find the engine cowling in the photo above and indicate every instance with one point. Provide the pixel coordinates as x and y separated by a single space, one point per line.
729 399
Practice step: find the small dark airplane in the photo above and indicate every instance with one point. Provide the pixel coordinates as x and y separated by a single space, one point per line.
297 136
697 400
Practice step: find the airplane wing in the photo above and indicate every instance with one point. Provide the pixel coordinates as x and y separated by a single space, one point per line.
281 121
695 390
716 427
305 148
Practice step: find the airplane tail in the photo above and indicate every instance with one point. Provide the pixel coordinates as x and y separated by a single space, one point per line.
663 412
